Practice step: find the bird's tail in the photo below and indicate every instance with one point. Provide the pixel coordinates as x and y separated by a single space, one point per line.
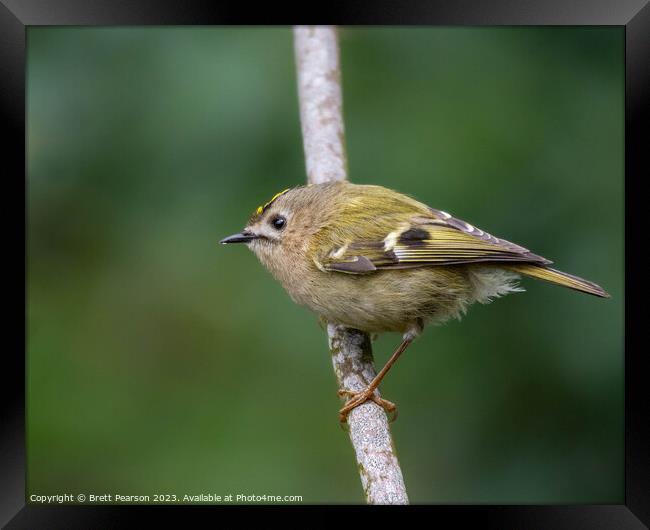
558 277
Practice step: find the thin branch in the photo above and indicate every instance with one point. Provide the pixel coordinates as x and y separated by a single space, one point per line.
319 91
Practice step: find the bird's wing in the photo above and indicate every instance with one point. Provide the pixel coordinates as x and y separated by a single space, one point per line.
435 239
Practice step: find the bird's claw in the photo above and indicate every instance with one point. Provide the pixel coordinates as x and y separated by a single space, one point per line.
358 398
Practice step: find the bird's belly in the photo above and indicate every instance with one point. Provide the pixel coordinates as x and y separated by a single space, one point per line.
386 300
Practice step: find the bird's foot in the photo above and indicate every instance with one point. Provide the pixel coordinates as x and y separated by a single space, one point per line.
358 398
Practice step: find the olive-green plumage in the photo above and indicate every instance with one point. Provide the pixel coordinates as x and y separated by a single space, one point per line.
377 260
373 259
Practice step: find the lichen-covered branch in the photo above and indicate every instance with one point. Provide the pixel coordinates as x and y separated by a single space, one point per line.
319 91
321 116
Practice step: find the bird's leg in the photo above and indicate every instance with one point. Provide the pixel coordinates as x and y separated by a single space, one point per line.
357 398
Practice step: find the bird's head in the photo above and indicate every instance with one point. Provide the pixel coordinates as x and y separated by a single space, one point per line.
279 231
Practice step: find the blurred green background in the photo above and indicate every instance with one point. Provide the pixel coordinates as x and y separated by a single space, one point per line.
161 362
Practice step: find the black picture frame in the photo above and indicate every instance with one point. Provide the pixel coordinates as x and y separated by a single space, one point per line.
634 15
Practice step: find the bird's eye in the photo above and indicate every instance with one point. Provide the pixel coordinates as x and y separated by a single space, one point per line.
278 222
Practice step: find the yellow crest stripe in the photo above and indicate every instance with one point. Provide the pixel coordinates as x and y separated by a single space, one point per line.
260 209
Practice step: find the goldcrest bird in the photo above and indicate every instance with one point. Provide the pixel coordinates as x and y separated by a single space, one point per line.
375 260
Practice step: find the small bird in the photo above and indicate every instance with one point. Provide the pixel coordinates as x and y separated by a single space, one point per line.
376 260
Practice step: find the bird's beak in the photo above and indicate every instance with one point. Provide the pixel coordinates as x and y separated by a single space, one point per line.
243 237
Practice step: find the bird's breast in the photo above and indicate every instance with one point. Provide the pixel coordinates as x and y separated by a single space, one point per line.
390 300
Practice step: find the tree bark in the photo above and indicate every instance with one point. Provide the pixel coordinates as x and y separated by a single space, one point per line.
321 117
